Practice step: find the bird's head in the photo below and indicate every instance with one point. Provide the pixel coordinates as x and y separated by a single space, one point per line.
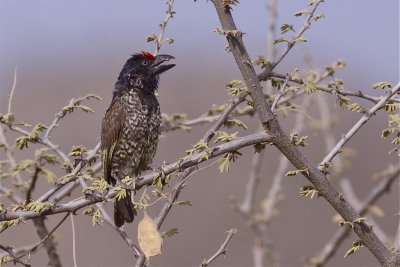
142 71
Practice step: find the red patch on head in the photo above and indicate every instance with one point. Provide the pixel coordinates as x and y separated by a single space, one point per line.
148 55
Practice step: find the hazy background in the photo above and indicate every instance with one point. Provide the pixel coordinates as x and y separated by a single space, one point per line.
65 49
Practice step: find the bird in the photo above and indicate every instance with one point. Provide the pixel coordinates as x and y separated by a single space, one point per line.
131 125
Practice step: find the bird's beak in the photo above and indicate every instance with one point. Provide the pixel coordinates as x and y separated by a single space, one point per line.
157 67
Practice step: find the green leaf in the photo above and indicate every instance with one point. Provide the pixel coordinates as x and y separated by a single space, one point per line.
225 160
387 132
232 122
10 223
309 87
356 107
300 39
95 214
44 155
228 3
6 259
94 96
295 172
199 146
77 151
170 232
298 142
301 12
259 147
382 85
216 109
121 193
318 17
308 191
48 174
38 206
169 40
342 101
22 166
391 106
234 87
40 127
85 109
152 38
286 27
261 60
357 245
183 203
225 137
281 40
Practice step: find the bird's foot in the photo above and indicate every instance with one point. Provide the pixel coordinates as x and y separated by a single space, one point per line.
127 182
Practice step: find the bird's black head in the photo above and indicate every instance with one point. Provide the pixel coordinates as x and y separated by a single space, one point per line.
142 72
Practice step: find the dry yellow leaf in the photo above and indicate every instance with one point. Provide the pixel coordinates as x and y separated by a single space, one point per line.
150 240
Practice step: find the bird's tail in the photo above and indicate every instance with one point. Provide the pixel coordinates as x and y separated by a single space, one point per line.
124 210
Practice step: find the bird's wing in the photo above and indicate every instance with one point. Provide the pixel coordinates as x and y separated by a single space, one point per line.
112 125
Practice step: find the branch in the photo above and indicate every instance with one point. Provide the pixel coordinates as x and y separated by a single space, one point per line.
281 93
109 221
326 253
48 243
367 115
10 252
189 169
163 26
306 25
37 245
326 89
10 158
284 144
12 91
222 250
121 232
194 160
350 195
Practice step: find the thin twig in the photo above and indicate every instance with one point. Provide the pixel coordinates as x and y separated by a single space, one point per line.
10 157
73 240
222 250
353 130
12 91
163 25
248 203
49 243
306 25
120 231
37 245
10 252
350 195
281 93
32 184
333 91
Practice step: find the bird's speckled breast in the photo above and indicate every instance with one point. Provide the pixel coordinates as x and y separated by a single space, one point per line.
137 144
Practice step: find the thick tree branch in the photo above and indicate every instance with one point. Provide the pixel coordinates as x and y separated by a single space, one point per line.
283 143
77 204
327 252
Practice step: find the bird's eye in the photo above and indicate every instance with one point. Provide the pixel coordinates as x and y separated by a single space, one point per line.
144 63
